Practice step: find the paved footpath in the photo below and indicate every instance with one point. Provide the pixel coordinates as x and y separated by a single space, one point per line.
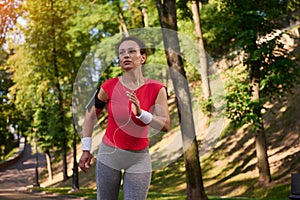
16 179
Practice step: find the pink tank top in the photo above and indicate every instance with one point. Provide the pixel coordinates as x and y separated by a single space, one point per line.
124 130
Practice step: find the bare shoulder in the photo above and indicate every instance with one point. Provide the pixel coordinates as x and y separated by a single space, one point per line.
102 95
162 95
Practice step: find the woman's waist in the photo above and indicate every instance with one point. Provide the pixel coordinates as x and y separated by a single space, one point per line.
110 146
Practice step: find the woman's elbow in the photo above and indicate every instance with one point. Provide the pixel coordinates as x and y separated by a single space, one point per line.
166 126
92 114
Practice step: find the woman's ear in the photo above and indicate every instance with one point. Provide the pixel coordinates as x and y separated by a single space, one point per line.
143 59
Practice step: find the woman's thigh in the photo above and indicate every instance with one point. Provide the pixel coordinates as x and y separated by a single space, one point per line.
108 182
136 185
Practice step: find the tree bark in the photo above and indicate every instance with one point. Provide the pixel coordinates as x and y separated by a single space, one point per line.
122 20
203 57
262 157
75 177
260 137
168 19
59 98
49 165
145 14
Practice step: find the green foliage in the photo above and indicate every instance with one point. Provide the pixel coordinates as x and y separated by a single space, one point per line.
5 101
244 31
279 72
10 116
217 29
183 11
11 153
39 65
293 5
238 98
232 25
92 22
59 35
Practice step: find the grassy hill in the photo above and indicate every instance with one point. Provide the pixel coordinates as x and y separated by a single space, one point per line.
229 169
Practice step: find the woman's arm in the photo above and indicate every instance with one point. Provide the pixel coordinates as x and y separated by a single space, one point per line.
161 117
91 115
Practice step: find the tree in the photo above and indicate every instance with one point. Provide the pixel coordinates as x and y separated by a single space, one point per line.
190 10
144 13
40 119
249 28
29 91
168 20
6 108
10 117
121 18
203 57
49 73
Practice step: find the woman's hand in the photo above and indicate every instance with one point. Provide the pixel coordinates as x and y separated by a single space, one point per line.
133 98
85 161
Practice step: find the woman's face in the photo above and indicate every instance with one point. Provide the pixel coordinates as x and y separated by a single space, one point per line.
130 56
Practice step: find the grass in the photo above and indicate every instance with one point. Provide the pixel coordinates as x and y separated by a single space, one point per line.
89 193
224 177
11 153
169 179
280 192
169 184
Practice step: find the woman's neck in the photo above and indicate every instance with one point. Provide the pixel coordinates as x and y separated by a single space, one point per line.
133 78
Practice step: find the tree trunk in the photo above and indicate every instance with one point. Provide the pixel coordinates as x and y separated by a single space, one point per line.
260 137
49 165
262 157
122 20
168 19
203 56
75 178
60 99
144 14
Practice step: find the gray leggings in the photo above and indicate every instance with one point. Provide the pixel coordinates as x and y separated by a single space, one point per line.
137 173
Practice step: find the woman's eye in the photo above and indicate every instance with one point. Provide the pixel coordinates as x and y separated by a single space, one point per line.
130 51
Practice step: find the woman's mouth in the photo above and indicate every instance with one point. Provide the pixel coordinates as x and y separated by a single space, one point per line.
126 62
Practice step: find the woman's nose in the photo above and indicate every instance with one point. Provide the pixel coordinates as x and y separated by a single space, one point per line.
126 54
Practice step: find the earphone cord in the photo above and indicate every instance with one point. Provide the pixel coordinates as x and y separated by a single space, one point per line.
119 127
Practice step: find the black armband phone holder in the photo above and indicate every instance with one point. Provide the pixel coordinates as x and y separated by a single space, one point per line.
99 104
95 101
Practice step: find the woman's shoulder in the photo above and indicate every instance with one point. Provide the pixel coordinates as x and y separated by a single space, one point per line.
155 82
109 84
110 81
154 85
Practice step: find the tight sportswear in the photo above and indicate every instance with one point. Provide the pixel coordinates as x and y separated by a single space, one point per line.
113 163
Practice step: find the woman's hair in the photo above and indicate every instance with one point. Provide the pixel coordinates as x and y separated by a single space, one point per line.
139 42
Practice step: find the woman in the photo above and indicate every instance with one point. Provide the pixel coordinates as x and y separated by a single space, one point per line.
134 103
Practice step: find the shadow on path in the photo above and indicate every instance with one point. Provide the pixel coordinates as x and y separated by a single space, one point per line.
20 175
17 178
